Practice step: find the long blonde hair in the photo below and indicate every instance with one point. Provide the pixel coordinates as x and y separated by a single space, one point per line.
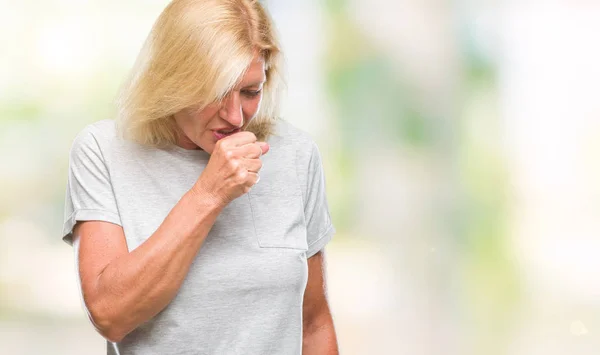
196 52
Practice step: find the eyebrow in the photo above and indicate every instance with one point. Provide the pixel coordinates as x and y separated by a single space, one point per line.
258 83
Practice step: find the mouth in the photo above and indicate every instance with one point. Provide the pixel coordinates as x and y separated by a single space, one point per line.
222 133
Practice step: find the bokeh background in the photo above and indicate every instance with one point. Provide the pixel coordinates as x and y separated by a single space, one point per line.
461 141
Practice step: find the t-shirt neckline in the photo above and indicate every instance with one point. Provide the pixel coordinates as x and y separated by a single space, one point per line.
188 152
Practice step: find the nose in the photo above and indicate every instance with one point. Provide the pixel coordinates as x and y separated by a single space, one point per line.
231 109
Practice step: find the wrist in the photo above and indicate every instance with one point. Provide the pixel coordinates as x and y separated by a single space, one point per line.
205 198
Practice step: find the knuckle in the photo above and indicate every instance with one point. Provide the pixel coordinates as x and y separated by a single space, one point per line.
229 154
242 176
234 165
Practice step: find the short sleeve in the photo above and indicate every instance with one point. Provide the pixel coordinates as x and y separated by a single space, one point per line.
89 193
320 229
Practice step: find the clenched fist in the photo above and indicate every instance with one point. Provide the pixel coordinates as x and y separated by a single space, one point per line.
233 167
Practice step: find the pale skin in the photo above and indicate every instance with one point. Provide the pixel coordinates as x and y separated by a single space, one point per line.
123 289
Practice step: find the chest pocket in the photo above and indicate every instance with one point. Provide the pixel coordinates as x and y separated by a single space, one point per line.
278 219
276 200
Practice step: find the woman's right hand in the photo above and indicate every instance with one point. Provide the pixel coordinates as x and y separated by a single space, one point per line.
233 168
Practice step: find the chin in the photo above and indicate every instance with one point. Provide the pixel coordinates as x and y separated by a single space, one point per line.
207 147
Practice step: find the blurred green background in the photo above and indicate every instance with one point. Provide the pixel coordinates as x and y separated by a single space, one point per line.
461 142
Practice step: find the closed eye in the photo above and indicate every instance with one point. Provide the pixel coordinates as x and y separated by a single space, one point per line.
251 93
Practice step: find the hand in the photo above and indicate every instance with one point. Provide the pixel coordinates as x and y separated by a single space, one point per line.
233 167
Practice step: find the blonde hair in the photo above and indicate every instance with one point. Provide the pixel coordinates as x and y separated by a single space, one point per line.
196 52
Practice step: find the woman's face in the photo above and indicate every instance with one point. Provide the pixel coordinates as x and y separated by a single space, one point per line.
217 120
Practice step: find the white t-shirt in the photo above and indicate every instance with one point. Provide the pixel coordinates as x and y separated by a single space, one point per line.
243 293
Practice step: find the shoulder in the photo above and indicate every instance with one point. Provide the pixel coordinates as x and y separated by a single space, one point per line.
95 134
299 141
292 145
94 141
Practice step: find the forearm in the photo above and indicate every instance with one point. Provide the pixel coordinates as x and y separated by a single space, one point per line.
135 287
319 337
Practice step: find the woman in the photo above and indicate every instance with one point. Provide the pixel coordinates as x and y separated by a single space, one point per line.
197 218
